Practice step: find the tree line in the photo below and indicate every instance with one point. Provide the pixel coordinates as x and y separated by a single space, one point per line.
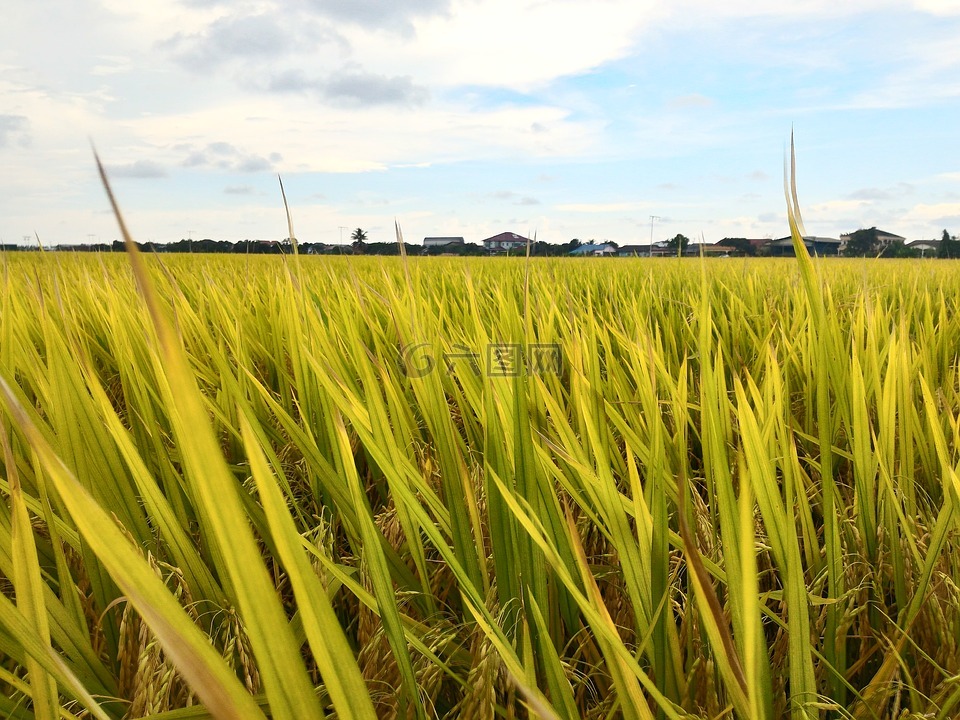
862 243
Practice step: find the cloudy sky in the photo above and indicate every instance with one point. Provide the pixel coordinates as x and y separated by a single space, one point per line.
563 118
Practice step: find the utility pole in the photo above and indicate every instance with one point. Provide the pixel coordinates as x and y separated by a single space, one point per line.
342 228
190 239
652 218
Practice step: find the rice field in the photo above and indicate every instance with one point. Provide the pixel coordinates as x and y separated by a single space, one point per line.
239 487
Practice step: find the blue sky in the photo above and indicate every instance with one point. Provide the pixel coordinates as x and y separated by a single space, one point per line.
473 117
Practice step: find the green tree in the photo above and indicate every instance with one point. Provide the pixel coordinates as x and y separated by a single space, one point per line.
542 248
897 249
679 243
359 237
741 246
862 243
949 246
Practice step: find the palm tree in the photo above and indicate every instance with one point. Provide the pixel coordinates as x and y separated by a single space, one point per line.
359 237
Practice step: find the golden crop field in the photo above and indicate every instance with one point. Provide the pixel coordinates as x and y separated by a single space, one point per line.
239 487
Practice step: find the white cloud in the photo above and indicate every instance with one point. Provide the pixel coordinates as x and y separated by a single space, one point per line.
874 194
793 9
694 100
363 89
138 169
396 16
938 7
258 37
13 129
615 207
511 43
345 141
112 65
934 213
833 207
351 86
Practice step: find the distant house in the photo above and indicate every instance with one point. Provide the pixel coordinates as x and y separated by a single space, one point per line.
662 249
658 249
703 250
715 250
505 241
438 242
592 249
881 239
743 246
783 247
925 247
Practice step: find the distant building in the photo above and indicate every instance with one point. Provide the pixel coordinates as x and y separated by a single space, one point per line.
662 249
743 246
633 250
505 241
758 243
882 240
591 249
438 242
658 249
783 247
925 247
715 250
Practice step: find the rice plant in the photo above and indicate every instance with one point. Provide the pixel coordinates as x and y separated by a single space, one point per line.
241 487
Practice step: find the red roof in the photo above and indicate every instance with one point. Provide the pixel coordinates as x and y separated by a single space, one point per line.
506 237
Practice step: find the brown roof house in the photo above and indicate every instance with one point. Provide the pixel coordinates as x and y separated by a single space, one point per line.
505 241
